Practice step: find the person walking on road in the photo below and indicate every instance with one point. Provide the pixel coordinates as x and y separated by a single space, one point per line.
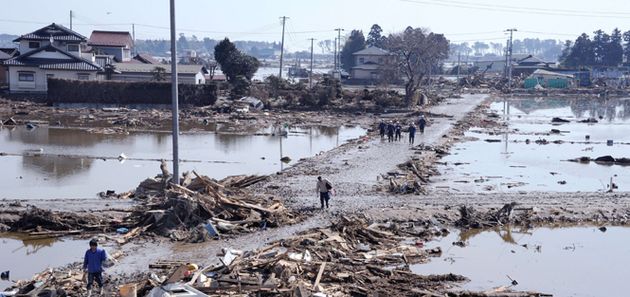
398 131
323 188
412 133
421 123
381 128
93 266
390 131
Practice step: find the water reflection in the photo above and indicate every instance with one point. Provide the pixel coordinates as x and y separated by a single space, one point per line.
28 245
56 167
24 257
60 137
608 109
576 261
518 163
72 163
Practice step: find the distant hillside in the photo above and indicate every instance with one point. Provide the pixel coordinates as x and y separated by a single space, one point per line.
6 40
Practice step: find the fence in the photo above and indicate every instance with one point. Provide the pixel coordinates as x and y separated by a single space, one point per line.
113 92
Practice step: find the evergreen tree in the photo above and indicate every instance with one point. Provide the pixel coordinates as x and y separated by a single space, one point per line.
626 49
614 49
375 37
354 43
234 63
582 52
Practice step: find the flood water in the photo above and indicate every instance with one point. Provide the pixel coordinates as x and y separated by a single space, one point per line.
579 261
513 165
24 257
35 175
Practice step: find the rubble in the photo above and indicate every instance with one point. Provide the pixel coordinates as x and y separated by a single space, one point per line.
602 160
472 219
201 208
351 257
197 210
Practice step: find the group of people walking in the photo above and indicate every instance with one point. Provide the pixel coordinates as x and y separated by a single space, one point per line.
393 130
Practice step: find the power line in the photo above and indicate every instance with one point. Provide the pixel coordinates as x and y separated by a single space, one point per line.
541 9
512 10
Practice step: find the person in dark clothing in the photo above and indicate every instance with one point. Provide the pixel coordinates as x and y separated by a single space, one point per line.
93 265
421 123
390 132
323 188
412 133
398 131
381 128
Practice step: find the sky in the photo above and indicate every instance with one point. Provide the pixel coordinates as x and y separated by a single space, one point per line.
459 20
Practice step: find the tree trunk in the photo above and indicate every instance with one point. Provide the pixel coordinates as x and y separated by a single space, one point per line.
409 92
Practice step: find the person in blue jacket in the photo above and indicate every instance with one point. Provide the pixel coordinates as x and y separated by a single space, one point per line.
93 265
412 133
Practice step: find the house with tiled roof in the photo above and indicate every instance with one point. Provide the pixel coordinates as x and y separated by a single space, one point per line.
117 44
53 51
144 58
369 64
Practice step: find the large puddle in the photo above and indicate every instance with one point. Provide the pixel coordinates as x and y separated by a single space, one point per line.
24 257
577 261
47 175
511 163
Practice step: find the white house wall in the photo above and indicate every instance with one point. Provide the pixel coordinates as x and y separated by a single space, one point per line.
365 74
117 52
41 76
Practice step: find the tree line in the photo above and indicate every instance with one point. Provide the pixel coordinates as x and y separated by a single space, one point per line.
602 49
546 49
159 47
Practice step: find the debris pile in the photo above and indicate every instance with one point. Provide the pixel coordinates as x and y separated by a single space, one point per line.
196 210
201 208
416 172
604 160
42 223
352 257
470 218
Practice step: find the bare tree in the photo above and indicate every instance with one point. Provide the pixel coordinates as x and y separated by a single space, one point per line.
417 51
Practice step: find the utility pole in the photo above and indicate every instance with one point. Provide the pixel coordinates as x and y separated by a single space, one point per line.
284 21
310 75
338 62
459 65
510 58
507 58
133 32
71 20
174 97
335 61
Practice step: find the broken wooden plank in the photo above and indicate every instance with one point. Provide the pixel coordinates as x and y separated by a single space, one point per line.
319 275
